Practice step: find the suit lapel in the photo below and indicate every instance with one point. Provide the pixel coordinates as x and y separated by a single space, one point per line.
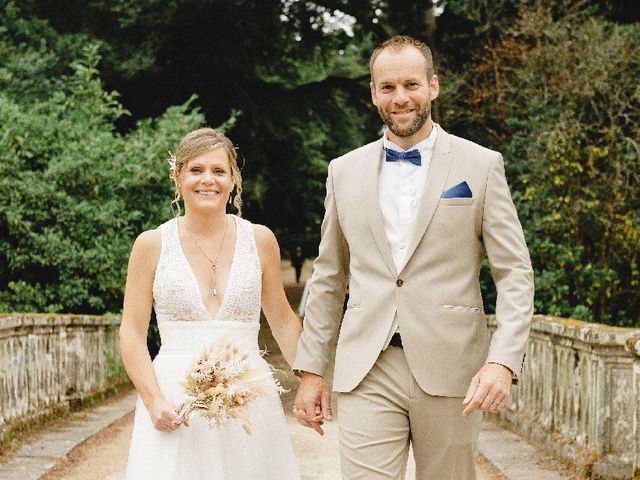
371 201
436 180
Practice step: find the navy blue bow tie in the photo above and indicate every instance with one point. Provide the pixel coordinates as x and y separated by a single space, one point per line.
412 156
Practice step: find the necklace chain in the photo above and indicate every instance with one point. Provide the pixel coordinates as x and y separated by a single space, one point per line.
214 261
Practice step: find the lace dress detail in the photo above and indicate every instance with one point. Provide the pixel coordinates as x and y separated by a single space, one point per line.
176 291
185 325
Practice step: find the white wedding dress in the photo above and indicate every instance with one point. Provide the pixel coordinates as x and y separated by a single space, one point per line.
200 452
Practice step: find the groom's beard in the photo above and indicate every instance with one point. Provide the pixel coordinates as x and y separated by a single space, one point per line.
422 115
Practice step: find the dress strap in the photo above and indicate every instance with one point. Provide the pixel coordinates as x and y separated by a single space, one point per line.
168 235
247 242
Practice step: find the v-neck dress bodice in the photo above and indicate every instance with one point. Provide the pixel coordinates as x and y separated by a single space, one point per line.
176 291
186 328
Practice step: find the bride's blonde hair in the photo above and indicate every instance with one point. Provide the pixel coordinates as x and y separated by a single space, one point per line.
195 144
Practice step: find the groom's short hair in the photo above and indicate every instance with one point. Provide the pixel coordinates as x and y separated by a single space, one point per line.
399 42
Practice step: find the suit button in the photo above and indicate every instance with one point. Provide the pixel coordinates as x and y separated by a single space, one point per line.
399 282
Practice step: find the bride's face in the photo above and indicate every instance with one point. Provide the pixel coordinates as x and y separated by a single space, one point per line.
206 181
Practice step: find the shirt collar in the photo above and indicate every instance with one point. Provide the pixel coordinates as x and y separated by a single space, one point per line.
423 146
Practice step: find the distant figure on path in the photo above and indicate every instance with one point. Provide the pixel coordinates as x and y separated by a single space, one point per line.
410 218
297 260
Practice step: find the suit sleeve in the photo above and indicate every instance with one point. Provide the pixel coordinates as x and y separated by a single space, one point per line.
511 271
323 312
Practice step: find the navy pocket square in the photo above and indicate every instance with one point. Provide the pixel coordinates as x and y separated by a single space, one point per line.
460 190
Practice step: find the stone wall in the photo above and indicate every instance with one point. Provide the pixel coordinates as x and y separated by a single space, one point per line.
579 395
48 361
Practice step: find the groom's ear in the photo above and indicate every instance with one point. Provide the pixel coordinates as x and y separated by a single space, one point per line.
372 87
434 87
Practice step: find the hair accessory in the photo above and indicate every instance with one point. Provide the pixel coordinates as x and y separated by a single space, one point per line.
172 162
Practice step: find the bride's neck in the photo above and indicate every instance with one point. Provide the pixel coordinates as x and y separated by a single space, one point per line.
204 224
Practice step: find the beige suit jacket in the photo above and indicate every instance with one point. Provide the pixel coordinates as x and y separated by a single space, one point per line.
436 294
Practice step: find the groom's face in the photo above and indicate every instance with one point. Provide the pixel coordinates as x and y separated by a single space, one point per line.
402 92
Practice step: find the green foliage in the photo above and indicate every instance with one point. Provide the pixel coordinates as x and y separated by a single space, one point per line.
552 85
129 30
62 124
559 91
73 192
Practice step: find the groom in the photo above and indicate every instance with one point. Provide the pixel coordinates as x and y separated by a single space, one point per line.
409 219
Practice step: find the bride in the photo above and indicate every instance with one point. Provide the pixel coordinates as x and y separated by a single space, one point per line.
207 274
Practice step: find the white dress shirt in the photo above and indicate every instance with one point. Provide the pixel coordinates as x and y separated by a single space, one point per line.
400 188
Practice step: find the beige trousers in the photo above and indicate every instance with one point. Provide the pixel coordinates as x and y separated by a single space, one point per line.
388 411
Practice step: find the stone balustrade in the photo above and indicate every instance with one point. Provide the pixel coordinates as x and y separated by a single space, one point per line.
579 395
50 361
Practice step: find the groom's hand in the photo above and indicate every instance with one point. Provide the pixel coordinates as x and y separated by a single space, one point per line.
313 402
489 390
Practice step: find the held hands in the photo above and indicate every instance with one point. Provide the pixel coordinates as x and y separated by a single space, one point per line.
163 415
489 390
313 402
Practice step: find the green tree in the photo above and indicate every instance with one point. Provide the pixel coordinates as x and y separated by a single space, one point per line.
559 90
73 192
299 80
549 84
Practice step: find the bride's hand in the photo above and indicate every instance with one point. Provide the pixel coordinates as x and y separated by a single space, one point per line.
162 416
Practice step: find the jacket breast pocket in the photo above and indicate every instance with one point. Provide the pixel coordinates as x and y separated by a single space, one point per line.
454 217
456 202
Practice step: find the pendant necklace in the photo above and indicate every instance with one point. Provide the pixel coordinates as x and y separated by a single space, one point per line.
214 261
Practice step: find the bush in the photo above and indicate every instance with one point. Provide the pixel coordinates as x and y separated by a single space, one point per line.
74 193
561 90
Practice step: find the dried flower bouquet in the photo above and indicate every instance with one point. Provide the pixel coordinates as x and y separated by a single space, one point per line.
222 384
